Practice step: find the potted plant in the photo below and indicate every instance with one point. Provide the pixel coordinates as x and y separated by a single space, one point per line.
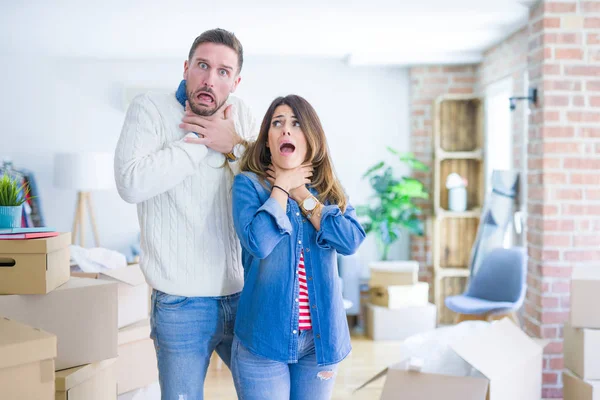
12 197
393 210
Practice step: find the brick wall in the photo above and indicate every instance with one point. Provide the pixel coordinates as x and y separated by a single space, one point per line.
559 51
427 83
563 165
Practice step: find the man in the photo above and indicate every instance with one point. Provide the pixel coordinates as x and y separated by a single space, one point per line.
171 161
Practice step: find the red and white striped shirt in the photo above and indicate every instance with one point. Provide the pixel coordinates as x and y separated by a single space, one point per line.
304 320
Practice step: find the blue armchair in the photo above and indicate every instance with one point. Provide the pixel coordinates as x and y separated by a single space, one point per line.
496 290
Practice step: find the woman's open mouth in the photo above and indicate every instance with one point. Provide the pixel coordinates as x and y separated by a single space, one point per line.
287 148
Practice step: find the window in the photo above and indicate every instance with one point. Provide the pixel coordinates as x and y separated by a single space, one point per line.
499 137
498 123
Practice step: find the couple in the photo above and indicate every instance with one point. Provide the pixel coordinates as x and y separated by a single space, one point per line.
272 309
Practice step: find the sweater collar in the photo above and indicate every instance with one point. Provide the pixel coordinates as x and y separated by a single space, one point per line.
181 93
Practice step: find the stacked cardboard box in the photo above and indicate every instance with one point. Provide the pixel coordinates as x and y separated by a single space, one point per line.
81 314
581 378
398 303
136 366
26 362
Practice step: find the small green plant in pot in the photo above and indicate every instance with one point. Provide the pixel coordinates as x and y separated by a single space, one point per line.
12 197
393 210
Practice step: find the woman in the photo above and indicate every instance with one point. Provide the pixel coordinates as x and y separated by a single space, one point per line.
292 218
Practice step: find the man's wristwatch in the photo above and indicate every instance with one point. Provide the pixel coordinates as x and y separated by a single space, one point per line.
309 205
236 153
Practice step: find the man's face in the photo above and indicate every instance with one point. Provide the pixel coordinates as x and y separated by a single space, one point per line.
210 76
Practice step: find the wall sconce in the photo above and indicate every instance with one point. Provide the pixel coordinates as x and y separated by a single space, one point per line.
533 96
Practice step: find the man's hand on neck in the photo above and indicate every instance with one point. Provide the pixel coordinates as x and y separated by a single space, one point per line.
216 132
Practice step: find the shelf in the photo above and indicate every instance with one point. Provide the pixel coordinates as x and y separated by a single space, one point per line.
459 124
441 213
458 142
459 155
449 286
441 273
470 169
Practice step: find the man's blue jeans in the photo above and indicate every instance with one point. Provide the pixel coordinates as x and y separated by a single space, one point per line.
258 378
186 330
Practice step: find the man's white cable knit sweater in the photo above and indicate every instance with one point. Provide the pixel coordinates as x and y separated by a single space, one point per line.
183 197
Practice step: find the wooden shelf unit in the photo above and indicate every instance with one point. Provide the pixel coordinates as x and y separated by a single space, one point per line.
458 141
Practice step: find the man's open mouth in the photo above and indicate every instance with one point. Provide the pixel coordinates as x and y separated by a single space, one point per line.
286 148
205 98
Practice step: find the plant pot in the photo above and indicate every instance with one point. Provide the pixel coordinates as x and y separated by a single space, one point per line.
457 199
10 216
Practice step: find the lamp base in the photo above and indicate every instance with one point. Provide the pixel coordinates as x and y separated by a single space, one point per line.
84 200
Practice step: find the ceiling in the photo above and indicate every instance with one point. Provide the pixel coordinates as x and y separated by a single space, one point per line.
376 32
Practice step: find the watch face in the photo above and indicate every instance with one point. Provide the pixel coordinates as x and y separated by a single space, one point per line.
238 150
309 204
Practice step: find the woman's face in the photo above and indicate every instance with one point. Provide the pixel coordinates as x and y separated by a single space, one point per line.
286 139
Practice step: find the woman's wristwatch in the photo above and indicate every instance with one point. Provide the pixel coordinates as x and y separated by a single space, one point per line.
309 205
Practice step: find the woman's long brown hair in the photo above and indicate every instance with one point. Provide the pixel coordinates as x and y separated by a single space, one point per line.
258 157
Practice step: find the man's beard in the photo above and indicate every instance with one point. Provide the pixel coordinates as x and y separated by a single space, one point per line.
203 111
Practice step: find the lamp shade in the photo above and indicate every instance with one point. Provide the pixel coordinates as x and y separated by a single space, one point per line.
84 171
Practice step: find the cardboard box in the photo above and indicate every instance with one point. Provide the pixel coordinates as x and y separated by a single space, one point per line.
508 360
136 366
585 294
581 350
400 295
82 313
34 266
95 381
398 324
133 291
391 273
26 362
575 388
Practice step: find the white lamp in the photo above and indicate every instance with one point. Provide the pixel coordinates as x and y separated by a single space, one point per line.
84 172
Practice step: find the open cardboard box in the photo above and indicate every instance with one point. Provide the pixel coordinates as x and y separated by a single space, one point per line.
509 363
133 292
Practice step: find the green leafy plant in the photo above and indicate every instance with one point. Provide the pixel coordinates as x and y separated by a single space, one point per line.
393 209
11 193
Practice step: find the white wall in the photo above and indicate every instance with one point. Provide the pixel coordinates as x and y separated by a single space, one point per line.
52 105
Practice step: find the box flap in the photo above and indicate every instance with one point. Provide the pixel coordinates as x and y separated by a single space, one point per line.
585 273
131 275
35 246
22 344
498 350
135 332
395 266
401 365
69 378
576 388
77 283
417 385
